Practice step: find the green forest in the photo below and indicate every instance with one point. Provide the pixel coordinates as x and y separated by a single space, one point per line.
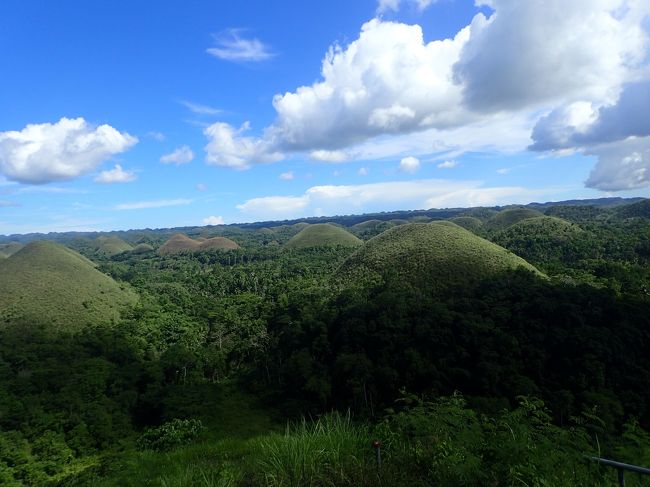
463 347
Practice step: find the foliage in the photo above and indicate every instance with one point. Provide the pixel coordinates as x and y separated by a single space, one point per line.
322 234
170 434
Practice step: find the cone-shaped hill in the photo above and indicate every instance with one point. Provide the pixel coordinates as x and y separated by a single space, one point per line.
112 245
435 256
323 235
508 217
142 248
183 243
539 239
46 283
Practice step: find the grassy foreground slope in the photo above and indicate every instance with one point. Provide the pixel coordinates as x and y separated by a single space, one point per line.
437 255
323 234
46 283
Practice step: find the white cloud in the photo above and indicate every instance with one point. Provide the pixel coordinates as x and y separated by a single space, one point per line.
179 156
287 176
8 203
201 187
503 170
548 51
274 207
447 164
329 155
140 205
116 175
69 148
200 109
387 196
394 5
621 165
409 164
230 46
363 171
228 147
213 220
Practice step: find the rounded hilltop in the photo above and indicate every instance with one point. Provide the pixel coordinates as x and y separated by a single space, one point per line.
110 246
322 235
48 284
510 216
436 255
182 243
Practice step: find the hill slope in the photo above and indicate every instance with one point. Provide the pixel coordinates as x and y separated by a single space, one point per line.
434 256
510 216
112 245
182 243
46 283
322 234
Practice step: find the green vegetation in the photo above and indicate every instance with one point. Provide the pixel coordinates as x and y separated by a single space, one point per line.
635 210
322 235
49 284
257 366
510 216
112 245
10 248
182 243
437 256
470 223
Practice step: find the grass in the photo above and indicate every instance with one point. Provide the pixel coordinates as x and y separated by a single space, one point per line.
48 283
435 255
549 227
506 218
470 223
10 248
183 243
112 245
323 234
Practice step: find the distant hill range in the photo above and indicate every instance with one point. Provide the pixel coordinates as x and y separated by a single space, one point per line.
160 235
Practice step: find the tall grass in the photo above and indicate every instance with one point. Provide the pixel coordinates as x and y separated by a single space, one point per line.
332 451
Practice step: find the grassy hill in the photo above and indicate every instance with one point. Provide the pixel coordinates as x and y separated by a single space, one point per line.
470 223
433 255
46 283
7 249
112 245
182 243
322 234
222 243
142 248
510 216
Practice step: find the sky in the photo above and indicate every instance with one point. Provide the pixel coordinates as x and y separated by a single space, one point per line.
119 115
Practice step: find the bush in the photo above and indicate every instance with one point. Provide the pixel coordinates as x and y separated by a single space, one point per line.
174 433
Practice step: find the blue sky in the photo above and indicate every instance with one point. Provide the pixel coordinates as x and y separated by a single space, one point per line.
118 115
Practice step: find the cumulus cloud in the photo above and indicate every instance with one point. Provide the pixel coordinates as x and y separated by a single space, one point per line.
116 175
182 155
228 147
213 220
363 171
231 46
545 51
447 164
69 148
387 196
140 205
622 165
409 164
287 176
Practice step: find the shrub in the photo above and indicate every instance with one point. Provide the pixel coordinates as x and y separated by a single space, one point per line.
174 433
